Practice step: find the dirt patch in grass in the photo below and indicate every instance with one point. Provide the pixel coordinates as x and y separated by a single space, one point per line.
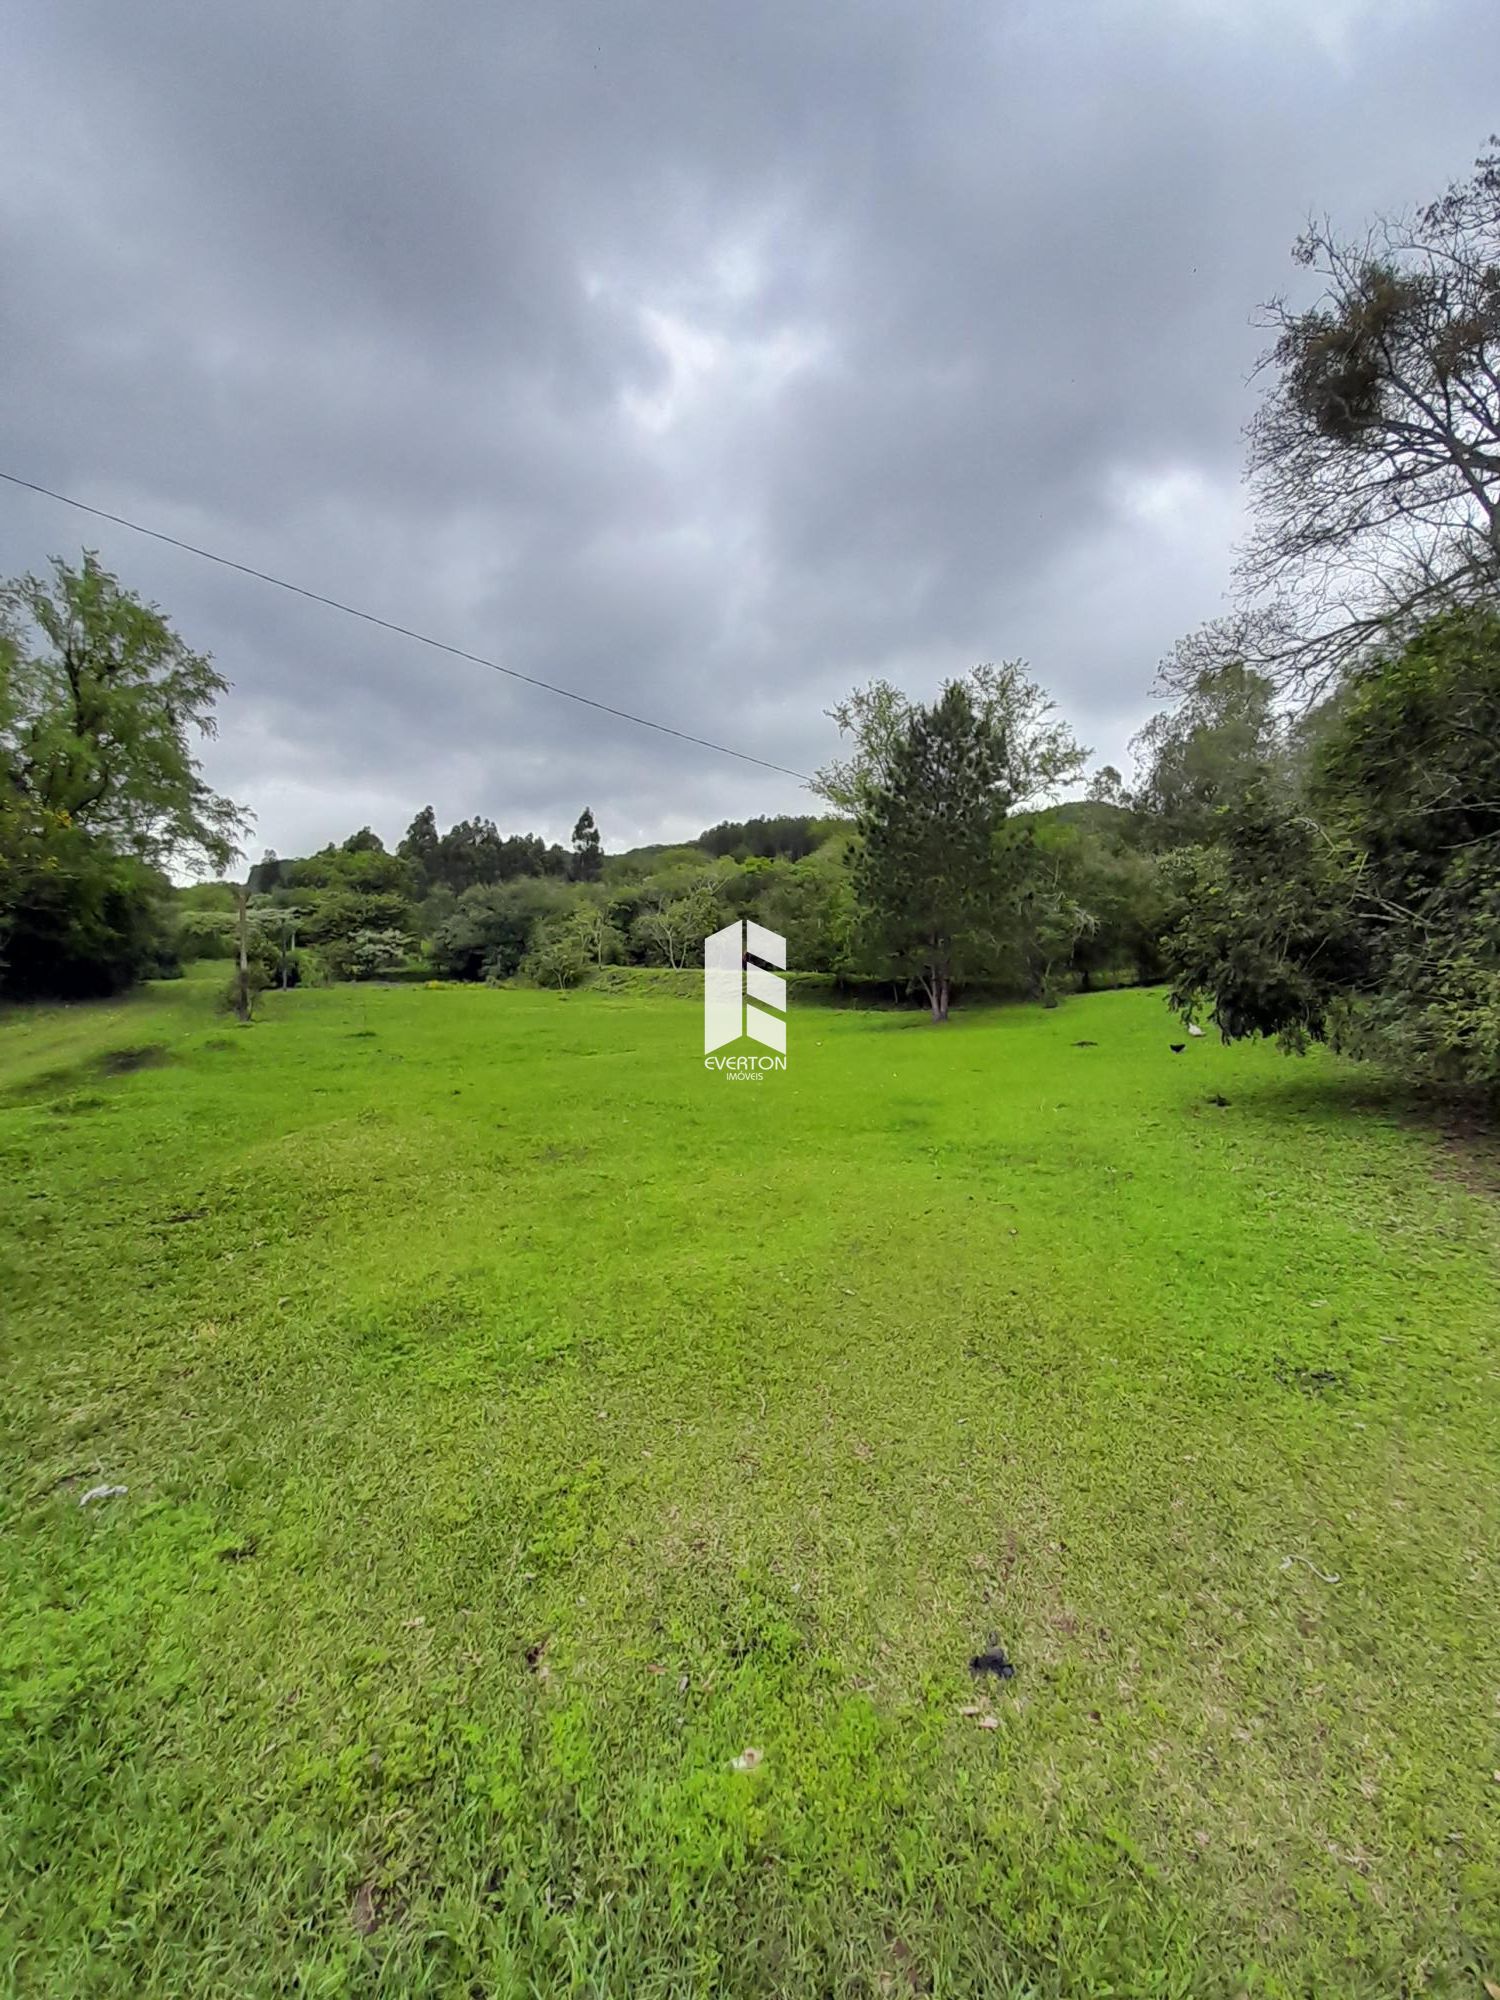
1470 1147
48 1083
124 1062
68 1080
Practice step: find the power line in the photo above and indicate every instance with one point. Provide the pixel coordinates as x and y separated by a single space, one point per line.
404 631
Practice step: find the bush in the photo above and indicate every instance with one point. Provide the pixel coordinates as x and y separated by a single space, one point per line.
83 930
493 926
365 955
558 959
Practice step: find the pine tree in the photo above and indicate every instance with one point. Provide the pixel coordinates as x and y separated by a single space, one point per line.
925 872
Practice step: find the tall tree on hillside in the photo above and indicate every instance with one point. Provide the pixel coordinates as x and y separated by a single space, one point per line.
471 852
925 869
587 863
99 786
1375 459
419 845
1107 788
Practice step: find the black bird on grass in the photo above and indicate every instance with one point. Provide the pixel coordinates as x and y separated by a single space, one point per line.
993 1661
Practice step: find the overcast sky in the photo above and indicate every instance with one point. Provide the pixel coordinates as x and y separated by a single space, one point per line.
706 358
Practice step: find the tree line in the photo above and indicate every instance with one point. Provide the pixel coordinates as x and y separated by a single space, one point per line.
1308 847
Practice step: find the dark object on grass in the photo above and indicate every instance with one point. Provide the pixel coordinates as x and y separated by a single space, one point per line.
1177 1047
1085 1045
993 1662
1222 1102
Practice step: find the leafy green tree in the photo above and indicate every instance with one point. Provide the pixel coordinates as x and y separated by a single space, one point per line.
1041 863
788 837
1366 911
473 852
598 935
587 864
1122 886
279 924
99 788
334 914
244 986
352 869
205 934
925 872
77 922
433 911
268 874
419 849
1265 926
811 904
347 889
468 854
558 957
672 931
366 954
640 864
98 700
1221 740
492 928
1083 898
1040 753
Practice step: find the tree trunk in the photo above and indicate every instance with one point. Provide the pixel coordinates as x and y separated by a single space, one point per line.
242 978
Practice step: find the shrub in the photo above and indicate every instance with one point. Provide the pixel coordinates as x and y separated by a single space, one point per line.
366 954
557 959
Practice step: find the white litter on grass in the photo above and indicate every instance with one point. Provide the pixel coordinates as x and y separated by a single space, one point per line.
747 1759
102 1493
1326 1575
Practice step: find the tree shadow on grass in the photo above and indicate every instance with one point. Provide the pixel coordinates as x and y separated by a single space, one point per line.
1465 1129
1326 1094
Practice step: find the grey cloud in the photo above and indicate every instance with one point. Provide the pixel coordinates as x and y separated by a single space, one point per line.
702 358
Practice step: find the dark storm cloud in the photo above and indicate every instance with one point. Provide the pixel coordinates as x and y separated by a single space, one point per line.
705 359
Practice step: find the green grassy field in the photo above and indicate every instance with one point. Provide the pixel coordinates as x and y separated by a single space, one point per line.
520 1423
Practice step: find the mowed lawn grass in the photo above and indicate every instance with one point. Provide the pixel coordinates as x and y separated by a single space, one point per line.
520 1423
